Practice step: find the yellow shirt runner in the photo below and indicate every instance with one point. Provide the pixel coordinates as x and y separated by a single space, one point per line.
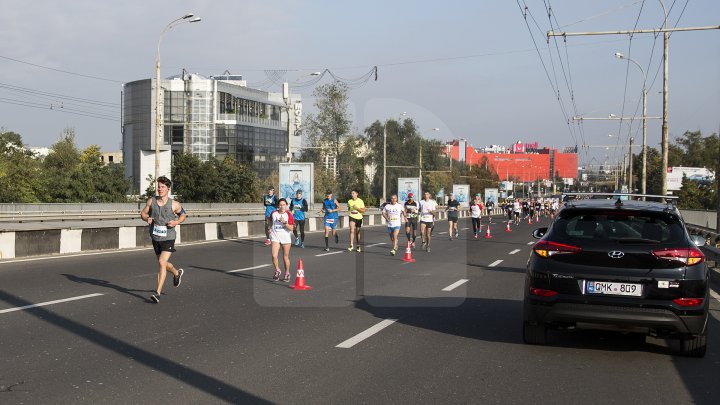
353 208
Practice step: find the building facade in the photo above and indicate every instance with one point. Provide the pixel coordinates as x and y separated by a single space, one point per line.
207 117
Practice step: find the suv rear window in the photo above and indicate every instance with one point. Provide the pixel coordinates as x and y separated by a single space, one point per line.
629 226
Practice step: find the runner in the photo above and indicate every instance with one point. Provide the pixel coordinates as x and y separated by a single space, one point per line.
428 207
299 207
452 208
270 202
516 211
330 207
489 205
356 206
281 237
476 209
411 213
163 214
393 214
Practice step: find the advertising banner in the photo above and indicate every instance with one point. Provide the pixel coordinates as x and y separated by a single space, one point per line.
408 185
462 193
294 177
491 194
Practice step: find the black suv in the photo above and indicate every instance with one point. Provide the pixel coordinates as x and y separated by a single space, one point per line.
618 264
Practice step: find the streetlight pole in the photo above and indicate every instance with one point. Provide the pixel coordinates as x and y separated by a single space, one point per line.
644 141
158 90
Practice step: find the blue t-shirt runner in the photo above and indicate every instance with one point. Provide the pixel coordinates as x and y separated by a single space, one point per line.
330 208
270 202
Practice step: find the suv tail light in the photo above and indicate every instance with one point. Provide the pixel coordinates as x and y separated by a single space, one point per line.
688 256
689 302
546 248
543 293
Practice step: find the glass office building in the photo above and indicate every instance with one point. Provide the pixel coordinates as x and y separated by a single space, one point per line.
208 117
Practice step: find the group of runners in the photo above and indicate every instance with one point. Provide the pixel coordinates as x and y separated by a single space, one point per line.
523 209
285 225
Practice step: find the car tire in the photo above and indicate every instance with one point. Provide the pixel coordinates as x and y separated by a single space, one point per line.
534 334
694 346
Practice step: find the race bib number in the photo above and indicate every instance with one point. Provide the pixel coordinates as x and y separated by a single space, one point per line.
427 217
298 206
354 212
394 218
160 230
330 220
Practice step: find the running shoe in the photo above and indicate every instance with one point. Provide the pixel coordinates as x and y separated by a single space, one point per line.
302 245
276 276
178 279
350 249
267 242
155 298
337 239
428 249
412 245
457 234
359 249
475 236
287 277
392 252
327 249
297 241
450 237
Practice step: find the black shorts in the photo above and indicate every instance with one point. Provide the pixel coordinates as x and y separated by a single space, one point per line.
428 224
356 221
411 222
163 246
452 218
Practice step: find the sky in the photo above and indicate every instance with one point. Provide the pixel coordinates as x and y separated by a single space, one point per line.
475 69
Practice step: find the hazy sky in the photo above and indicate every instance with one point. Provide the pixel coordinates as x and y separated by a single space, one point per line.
470 68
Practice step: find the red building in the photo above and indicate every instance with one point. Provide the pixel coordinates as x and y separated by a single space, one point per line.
526 162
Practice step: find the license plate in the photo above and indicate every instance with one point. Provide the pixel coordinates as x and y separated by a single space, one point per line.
613 288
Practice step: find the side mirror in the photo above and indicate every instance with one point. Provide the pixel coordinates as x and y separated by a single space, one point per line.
539 233
698 240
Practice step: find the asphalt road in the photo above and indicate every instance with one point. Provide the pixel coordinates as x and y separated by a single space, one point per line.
374 329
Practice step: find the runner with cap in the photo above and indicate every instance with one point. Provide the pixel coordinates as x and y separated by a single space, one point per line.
270 202
412 208
453 208
428 206
299 207
330 208
393 213
356 207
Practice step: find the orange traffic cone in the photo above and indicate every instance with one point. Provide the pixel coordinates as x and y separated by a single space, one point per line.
507 227
300 278
487 233
408 254
529 220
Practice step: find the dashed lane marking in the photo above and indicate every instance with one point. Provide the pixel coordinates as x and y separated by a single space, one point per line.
376 244
495 263
442 233
248 268
43 304
331 253
366 334
455 285
531 243
715 295
514 251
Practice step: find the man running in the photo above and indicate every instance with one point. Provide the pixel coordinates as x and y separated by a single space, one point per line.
163 214
270 203
517 211
330 208
356 206
453 207
393 214
489 205
411 213
476 209
281 237
299 207
428 206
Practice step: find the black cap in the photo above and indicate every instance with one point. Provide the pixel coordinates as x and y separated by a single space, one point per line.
328 192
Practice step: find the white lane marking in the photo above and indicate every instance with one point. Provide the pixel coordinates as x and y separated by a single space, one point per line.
248 268
366 334
495 263
442 233
455 284
715 295
464 229
331 253
514 251
376 244
531 243
42 304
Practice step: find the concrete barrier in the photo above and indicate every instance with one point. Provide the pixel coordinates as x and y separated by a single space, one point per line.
99 236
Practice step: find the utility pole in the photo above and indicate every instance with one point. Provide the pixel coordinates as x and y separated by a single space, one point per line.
630 179
666 31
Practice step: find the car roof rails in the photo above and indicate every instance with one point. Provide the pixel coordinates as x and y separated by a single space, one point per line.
664 198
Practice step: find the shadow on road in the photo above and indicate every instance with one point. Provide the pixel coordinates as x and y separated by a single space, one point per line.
185 375
107 284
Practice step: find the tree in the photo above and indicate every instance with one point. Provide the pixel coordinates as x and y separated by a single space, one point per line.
60 166
20 176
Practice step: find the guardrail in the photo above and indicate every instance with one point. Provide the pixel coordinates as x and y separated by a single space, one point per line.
99 215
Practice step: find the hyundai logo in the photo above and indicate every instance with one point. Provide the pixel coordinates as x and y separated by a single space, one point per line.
616 254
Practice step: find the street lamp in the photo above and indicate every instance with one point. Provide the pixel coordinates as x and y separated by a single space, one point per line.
644 137
420 156
158 92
